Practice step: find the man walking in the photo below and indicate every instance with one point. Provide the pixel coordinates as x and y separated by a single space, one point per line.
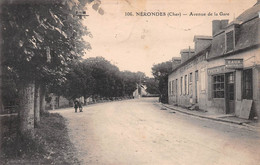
80 107
76 105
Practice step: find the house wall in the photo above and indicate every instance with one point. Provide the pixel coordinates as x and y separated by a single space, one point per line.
256 93
188 98
251 59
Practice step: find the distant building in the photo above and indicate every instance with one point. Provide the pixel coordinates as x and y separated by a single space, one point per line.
136 94
223 70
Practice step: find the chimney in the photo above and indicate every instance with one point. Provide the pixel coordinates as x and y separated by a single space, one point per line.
176 61
224 23
186 54
218 25
201 42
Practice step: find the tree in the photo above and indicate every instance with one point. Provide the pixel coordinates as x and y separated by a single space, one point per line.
131 80
79 82
39 41
152 85
105 75
97 77
160 72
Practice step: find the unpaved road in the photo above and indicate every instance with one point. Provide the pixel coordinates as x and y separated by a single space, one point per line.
139 132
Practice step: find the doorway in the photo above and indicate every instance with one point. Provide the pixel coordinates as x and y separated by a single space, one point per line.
196 86
230 92
176 90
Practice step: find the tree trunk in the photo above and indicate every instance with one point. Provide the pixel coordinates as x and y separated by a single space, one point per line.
85 100
42 99
26 111
58 101
1 55
1 103
37 104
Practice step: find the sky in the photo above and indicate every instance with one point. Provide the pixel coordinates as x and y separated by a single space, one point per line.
136 43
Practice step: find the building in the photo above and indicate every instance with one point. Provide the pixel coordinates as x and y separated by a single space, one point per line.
143 92
222 73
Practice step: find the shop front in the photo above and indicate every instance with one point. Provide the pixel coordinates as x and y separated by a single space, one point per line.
229 85
222 84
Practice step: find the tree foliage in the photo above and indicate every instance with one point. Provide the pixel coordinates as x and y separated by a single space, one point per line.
152 85
40 40
97 77
160 72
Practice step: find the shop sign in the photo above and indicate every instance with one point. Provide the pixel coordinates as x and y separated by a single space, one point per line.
216 70
234 63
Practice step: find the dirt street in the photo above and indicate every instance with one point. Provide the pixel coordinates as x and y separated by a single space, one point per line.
139 132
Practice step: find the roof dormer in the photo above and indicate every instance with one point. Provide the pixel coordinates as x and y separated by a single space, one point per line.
230 37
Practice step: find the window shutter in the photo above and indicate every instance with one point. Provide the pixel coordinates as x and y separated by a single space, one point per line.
209 87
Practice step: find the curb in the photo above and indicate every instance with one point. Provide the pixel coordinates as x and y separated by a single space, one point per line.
212 118
250 126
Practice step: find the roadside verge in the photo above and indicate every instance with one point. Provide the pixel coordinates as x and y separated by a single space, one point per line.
227 118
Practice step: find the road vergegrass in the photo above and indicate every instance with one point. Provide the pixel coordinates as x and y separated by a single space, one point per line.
50 144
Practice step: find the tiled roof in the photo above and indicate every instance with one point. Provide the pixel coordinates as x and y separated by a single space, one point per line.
250 13
247 33
218 45
192 58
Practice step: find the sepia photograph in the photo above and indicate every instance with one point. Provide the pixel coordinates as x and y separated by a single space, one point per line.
129 82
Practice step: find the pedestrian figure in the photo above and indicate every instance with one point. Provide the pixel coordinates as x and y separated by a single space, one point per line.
76 105
80 107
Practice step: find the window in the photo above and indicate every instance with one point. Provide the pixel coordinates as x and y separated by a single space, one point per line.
190 83
202 79
176 86
196 79
247 84
169 87
185 85
172 87
181 84
218 86
230 41
196 75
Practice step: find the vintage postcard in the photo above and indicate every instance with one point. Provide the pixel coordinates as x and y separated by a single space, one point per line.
121 82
